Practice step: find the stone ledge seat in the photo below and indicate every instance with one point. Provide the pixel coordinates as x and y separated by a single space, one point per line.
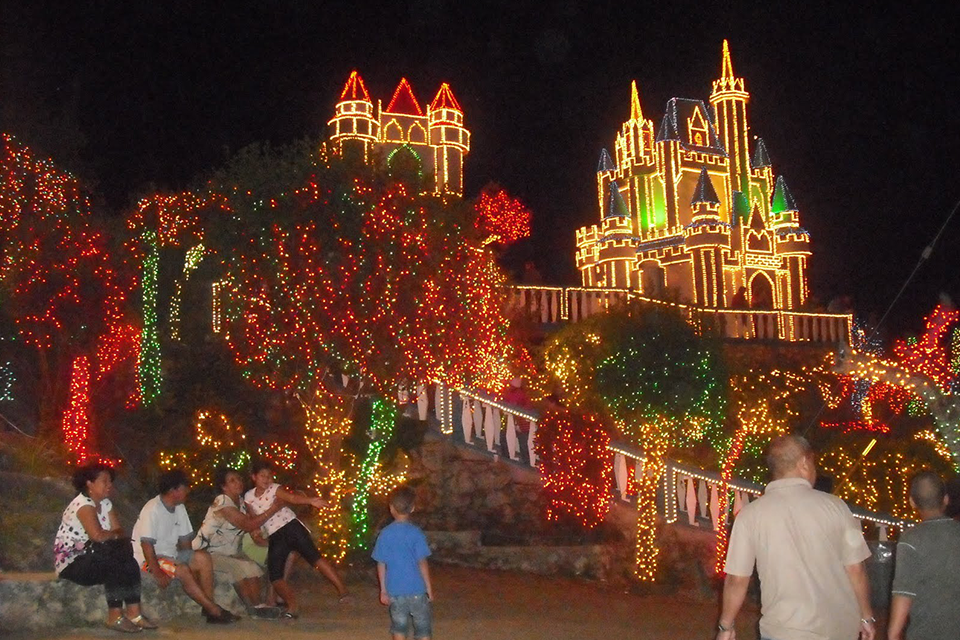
43 601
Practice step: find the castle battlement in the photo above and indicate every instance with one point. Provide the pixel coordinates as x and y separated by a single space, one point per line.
705 214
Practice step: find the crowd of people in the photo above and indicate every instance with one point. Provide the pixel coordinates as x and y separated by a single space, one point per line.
804 544
92 548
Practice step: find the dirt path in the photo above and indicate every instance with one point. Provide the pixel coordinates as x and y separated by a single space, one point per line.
470 605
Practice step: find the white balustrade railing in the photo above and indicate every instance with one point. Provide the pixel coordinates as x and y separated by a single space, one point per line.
551 305
689 495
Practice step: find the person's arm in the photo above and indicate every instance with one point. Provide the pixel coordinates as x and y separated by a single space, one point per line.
153 567
247 522
857 574
734 593
899 614
292 498
87 516
382 577
425 572
115 524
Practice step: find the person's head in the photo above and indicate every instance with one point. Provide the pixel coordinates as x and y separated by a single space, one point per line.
262 473
401 501
174 485
928 494
792 457
228 481
94 480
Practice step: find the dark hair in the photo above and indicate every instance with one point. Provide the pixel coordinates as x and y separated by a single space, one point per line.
89 473
173 479
220 476
260 465
927 490
402 499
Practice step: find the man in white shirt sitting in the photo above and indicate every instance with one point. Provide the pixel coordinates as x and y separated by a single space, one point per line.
162 546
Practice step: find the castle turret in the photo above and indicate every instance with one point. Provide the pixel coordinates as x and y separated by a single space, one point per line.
793 243
707 238
451 141
634 143
729 99
668 162
354 129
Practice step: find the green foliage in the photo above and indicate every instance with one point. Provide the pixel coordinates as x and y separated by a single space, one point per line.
639 365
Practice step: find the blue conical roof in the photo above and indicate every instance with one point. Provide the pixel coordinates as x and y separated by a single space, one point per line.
704 191
606 162
760 157
616 207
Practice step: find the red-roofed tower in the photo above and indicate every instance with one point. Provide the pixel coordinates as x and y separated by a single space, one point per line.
402 134
449 139
354 129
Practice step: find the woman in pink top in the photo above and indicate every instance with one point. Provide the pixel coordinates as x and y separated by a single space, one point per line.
286 534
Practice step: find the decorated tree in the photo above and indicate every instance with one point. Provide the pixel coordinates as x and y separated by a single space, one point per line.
575 467
64 287
359 273
662 386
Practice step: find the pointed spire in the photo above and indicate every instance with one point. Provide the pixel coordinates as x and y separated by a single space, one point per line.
782 198
403 100
704 191
355 89
616 207
445 99
760 157
606 162
726 69
756 220
668 127
636 113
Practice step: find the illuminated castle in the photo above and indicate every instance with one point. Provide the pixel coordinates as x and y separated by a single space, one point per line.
690 213
434 143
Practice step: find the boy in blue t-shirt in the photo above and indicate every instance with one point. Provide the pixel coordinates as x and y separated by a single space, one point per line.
401 554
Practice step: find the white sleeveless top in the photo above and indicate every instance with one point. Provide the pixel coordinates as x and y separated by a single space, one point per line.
71 536
259 504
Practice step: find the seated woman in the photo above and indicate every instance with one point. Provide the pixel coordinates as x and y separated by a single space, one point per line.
91 548
221 534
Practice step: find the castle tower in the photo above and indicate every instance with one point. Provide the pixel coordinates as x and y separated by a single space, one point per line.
634 143
353 129
793 243
707 238
450 140
729 99
669 162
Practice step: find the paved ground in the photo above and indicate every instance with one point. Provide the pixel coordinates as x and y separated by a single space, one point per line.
470 604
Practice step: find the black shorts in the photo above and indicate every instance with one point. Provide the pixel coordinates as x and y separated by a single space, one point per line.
291 537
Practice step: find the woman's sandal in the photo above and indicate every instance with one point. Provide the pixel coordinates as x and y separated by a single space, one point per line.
289 615
123 625
144 622
345 599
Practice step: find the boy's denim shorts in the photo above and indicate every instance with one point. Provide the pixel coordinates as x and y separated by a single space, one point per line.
402 608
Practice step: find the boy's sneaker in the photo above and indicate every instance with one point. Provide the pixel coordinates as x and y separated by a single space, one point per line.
264 612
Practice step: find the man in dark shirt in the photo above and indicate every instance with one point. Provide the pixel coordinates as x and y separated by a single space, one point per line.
926 586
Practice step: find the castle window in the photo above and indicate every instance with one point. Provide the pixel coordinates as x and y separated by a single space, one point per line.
417 134
392 132
697 128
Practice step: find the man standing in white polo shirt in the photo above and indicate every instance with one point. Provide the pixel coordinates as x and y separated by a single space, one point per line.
809 553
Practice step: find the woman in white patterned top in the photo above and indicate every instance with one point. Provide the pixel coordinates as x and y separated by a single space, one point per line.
286 534
91 548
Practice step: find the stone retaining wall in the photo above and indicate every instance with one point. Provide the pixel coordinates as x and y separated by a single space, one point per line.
42 601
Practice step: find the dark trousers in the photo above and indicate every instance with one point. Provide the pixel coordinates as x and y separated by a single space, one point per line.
112 565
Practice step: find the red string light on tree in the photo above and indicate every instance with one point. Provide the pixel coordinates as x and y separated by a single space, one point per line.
575 467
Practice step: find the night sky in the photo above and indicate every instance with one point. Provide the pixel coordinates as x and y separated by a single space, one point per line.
859 109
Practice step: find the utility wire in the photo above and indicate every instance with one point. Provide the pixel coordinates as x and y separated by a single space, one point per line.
924 255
